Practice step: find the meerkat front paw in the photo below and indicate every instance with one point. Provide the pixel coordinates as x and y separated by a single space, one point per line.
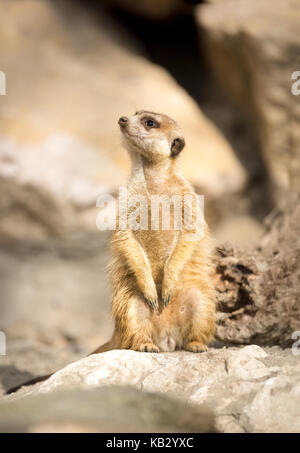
152 301
150 294
166 299
195 346
167 291
149 347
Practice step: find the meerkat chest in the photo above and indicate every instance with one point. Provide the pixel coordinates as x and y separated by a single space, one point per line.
165 203
157 245
159 239
161 208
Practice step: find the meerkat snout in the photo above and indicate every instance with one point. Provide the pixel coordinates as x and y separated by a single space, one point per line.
123 121
153 135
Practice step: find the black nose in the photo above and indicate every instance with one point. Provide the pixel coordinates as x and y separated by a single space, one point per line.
123 121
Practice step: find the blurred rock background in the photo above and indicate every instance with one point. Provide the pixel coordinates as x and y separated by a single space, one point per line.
222 68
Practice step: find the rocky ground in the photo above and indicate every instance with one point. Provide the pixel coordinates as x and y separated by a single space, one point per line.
228 389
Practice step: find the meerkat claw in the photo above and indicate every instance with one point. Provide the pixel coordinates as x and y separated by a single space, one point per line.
166 301
149 347
153 303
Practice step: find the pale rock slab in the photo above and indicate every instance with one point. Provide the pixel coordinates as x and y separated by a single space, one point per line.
244 365
276 406
242 387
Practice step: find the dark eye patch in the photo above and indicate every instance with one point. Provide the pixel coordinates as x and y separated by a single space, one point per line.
149 122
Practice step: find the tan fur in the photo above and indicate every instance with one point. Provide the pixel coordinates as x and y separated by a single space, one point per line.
150 267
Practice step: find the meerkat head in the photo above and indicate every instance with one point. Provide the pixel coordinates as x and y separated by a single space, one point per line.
153 135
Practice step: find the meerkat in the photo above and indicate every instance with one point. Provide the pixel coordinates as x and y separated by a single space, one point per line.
163 296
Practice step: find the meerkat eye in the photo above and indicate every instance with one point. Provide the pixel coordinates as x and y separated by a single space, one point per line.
150 123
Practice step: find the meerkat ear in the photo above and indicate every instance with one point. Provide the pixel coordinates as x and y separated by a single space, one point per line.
177 146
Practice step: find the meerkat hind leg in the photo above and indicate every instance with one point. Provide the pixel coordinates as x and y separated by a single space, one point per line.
200 310
138 333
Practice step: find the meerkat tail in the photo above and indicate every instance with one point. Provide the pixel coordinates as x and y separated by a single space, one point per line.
104 348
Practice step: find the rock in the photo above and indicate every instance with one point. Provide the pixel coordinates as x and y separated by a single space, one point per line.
242 365
266 410
108 409
258 289
26 359
54 287
228 424
229 381
254 351
254 65
50 189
